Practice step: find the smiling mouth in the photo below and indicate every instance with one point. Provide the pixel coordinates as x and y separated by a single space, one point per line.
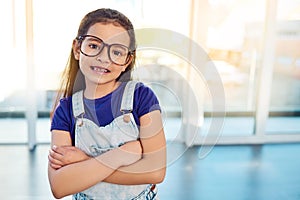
101 70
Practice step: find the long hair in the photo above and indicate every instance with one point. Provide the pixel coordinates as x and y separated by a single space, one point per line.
72 78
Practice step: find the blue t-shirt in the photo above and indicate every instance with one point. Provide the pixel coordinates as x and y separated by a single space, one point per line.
102 111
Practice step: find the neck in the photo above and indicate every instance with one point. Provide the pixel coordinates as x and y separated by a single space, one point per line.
100 90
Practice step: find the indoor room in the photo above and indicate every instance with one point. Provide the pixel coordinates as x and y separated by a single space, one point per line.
225 74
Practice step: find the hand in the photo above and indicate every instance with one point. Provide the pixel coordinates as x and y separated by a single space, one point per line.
65 155
131 152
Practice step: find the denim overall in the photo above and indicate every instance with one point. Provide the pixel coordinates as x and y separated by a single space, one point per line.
95 140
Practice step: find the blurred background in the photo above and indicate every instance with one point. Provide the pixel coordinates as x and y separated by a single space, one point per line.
253 44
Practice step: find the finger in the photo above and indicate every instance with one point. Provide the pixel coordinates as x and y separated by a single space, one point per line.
56 156
62 149
54 161
54 166
58 149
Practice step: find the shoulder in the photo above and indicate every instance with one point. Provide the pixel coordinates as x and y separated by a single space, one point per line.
65 102
145 99
64 107
141 89
63 115
144 92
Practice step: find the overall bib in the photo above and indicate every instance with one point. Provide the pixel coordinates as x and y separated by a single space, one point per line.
95 140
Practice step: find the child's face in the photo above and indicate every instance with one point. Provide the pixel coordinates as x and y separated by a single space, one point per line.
100 69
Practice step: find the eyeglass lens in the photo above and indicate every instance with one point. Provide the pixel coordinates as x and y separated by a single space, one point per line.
117 53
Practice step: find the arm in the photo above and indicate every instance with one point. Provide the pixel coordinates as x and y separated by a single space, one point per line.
152 167
78 176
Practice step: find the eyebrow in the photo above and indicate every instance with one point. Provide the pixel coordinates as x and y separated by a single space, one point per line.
95 38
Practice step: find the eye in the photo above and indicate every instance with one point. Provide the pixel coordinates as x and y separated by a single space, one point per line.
94 45
118 53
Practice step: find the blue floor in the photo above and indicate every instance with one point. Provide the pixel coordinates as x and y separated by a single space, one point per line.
244 172
236 173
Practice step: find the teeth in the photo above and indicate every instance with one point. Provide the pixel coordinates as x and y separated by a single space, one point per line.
100 69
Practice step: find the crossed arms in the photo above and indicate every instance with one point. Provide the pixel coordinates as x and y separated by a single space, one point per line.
137 162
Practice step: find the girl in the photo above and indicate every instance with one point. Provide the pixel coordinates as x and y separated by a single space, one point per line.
107 134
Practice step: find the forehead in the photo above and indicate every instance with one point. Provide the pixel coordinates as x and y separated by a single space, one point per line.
110 33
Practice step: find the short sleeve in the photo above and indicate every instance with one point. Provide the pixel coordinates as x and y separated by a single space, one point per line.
146 100
62 118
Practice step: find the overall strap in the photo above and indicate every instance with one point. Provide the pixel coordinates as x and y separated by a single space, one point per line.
127 99
77 104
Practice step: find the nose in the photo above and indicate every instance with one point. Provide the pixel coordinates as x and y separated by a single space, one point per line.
103 55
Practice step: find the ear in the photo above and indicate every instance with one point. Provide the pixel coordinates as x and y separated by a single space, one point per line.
125 66
76 49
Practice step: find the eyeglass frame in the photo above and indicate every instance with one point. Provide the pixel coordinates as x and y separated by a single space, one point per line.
82 37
